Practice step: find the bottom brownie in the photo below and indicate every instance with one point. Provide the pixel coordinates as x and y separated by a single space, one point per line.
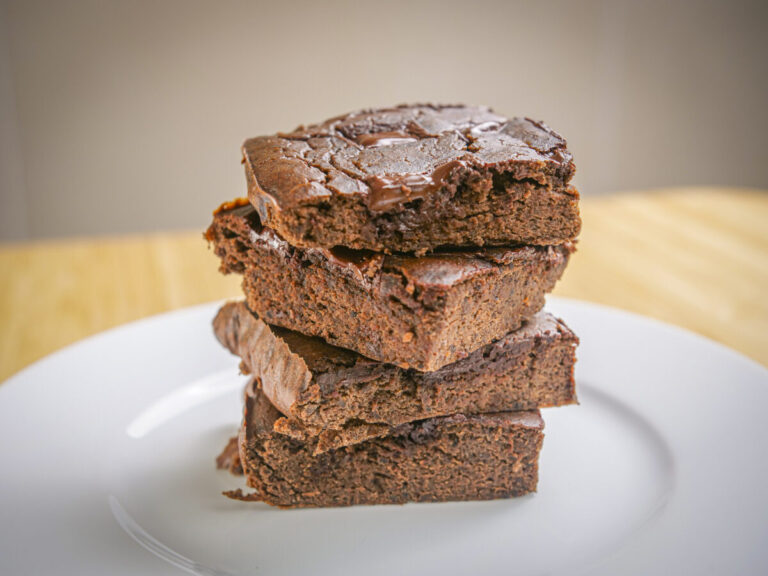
479 457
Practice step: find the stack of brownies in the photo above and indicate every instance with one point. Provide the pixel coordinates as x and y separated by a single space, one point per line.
395 264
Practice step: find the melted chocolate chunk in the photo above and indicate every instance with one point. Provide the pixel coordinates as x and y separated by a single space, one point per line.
386 191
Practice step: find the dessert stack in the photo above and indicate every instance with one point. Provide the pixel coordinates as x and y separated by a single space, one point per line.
395 264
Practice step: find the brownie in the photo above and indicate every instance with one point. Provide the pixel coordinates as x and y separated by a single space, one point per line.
418 312
413 178
229 458
343 398
440 459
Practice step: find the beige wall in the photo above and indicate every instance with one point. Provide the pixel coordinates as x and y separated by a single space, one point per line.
127 116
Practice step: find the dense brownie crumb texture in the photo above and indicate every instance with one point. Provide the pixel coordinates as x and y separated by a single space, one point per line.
395 264
342 398
457 457
420 312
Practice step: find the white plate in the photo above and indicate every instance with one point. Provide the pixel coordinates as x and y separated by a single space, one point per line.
107 450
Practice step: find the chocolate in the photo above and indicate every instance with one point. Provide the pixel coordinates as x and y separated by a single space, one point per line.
414 178
384 139
395 263
457 457
420 312
386 191
343 398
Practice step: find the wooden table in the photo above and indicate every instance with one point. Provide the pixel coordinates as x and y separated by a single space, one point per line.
697 258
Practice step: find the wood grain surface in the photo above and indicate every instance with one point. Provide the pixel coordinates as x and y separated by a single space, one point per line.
697 258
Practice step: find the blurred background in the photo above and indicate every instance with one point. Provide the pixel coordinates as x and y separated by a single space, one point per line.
120 117
121 124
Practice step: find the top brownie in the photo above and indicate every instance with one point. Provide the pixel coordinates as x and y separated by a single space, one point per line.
414 178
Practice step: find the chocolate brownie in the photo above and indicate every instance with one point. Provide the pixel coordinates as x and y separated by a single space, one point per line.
344 398
440 459
413 178
419 312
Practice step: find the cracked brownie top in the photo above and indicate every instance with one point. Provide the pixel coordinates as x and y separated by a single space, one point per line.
392 156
